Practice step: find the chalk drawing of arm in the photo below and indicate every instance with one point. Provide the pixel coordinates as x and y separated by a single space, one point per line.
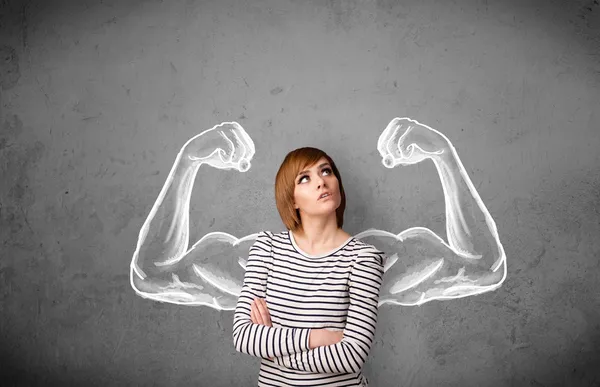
163 268
420 265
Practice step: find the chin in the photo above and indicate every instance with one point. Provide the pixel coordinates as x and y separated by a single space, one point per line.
333 208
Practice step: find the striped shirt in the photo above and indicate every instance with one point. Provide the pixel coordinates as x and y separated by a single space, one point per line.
338 291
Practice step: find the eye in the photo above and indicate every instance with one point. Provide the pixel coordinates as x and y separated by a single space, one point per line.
329 172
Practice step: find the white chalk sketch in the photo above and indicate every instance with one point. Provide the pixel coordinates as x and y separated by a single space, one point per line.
420 267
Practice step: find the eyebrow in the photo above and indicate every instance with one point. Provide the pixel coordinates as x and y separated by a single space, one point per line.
320 166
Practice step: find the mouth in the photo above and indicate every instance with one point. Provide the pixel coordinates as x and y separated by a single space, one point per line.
325 195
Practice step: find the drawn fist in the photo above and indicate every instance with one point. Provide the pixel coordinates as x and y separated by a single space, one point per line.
405 142
224 146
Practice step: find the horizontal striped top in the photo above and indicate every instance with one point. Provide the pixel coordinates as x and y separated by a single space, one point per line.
338 290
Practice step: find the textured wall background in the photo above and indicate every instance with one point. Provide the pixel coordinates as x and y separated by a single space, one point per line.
97 97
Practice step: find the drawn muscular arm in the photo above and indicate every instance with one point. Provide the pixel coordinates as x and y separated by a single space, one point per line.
163 268
424 266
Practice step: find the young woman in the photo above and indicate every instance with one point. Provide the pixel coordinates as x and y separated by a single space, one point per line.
309 302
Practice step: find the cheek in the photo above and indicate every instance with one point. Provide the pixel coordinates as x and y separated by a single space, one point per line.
335 183
300 196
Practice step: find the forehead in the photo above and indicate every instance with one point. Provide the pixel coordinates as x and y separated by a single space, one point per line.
322 160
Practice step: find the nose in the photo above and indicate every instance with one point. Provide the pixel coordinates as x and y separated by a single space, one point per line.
320 182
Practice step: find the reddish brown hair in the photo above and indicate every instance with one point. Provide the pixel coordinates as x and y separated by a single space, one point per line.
285 183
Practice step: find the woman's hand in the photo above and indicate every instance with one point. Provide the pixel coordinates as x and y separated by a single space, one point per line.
259 313
323 337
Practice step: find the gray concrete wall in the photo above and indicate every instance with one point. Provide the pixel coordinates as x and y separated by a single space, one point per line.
97 98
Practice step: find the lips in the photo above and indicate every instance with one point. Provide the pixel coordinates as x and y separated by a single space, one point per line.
324 194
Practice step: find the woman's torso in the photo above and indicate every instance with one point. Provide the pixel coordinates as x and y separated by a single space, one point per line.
308 291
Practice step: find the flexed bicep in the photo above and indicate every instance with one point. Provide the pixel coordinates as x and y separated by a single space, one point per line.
470 229
420 267
471 260
210 273
158 263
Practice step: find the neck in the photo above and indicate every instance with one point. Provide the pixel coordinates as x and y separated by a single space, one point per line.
317 233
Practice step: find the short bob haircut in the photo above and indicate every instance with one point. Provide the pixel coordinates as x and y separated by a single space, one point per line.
285 184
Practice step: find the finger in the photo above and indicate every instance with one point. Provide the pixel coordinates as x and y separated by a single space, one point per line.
266 314
247 140
231 146
385 136
406 142
244 148
258 313
253 313
263 307
240 147
259 307
263 311
389 144
257 317
394 144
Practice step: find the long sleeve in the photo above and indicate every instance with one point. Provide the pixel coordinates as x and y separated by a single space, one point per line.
350 354
256 339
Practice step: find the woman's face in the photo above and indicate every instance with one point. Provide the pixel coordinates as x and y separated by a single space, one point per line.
311 183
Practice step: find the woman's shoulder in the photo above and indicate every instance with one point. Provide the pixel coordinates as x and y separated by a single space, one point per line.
267 235
365 250
360 245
